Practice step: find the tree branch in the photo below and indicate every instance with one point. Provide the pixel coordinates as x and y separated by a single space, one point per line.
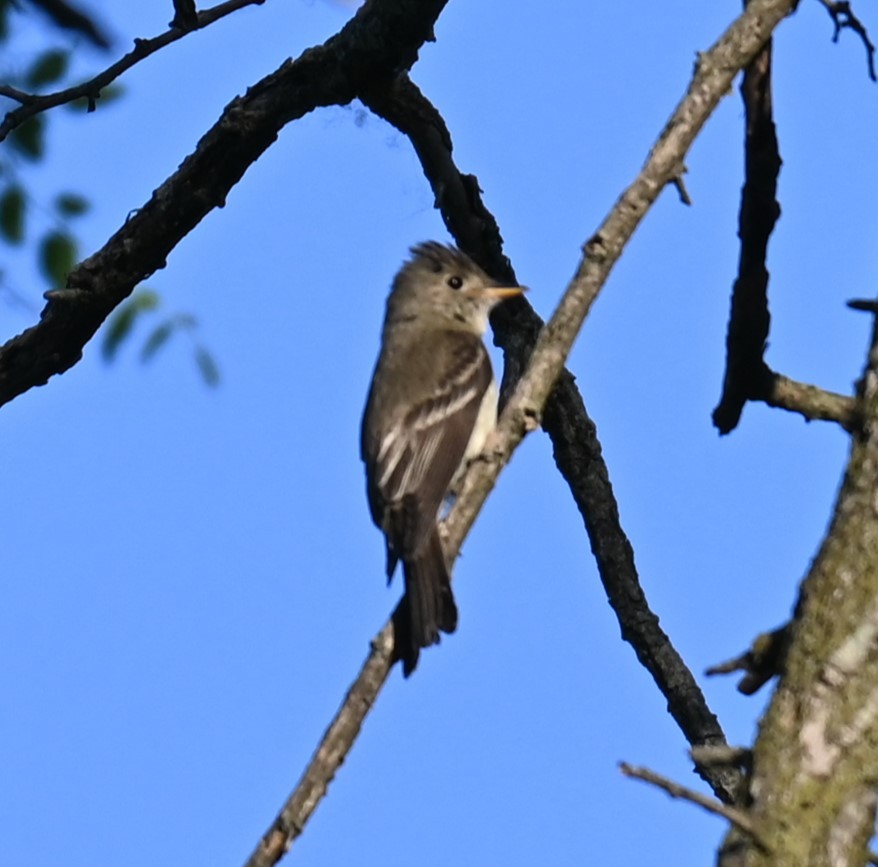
737 817
763 660
820 733
33 104
712 79
843 17
749 321
383 38
574 438
811 402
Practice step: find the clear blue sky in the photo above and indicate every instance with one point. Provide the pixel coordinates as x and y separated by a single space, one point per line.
190 576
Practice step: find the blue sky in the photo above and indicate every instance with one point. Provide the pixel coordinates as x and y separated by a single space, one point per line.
191 576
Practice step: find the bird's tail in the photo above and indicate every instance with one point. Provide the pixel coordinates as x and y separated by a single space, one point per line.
428 606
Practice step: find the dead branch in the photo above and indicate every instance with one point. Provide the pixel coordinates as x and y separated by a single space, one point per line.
809 401
822 723
737 817
749 321
843 17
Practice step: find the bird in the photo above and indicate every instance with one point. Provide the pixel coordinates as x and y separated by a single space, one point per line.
431 405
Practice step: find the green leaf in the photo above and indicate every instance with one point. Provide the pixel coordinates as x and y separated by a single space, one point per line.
145 299
207 367
12 207
48 68
57 256
118 328
71 204
28 139
185 321
111 93
122 321
157 340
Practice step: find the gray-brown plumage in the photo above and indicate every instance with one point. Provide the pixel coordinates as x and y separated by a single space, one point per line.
432 402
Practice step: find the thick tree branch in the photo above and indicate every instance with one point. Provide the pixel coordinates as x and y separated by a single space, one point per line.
749 320
382 39
32 104
712 79
820 734
809 401
574 436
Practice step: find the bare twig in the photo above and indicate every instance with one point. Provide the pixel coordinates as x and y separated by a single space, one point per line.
843 17
33 104
679 182
16 94
809 401
723 755
763 660
737 817
334 746
864 305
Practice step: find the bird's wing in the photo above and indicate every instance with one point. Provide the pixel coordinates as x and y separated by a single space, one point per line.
411 463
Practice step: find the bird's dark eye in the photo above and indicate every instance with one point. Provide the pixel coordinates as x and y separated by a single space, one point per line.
455 282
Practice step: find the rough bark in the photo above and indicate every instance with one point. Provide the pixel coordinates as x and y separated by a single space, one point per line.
815 769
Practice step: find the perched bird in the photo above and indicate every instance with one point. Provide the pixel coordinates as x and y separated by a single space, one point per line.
432 403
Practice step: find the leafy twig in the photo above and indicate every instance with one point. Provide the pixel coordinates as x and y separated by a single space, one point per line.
33 104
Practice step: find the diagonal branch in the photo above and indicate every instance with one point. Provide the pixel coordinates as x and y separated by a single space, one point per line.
33 104
737 817
574 437
383 38
712 79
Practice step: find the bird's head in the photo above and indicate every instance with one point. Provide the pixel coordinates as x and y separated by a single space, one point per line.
443 286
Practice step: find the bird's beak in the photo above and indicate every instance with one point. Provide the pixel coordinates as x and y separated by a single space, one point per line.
501 292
